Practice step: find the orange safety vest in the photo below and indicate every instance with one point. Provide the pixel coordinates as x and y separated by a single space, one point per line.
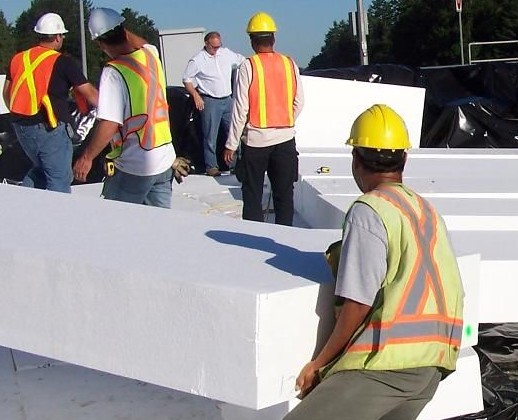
149 119
416 318
31 71
272 91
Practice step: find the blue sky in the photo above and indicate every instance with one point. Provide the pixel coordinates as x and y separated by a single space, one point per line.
302 24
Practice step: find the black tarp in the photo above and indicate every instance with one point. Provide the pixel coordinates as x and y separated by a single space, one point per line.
465 106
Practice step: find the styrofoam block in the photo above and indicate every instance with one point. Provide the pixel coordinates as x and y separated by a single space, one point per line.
326 122
189 302
456 186
460 393
3 106
498 291
433 164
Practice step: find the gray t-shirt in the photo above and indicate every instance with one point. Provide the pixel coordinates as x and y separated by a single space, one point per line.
363 259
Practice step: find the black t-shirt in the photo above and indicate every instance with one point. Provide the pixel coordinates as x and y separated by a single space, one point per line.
65 74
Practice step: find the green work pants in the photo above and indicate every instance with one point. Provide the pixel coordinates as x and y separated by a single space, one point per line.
369 395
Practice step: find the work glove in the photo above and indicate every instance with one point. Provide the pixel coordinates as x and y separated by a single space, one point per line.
181 168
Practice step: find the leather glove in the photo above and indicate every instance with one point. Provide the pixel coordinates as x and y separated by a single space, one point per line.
181 168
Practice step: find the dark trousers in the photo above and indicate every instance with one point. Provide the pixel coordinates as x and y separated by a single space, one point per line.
280 162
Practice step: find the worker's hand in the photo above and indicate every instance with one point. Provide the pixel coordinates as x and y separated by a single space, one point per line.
307 380
198 102
228 156
181 167
82 167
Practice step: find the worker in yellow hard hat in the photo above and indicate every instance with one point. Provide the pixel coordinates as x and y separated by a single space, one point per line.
268 100
399 328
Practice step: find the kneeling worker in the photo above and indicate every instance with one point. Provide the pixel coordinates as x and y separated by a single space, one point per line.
399 329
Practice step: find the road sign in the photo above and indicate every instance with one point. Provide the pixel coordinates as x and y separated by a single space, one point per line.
458 5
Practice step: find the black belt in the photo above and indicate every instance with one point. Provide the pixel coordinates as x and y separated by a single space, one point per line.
213 97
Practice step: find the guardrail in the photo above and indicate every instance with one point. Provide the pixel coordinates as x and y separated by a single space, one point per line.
474 44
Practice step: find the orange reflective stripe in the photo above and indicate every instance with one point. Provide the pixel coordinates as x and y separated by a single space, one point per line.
156 104
425 236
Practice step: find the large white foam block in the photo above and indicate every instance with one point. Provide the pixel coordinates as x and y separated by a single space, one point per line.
326 121
479 205
459 394
212 306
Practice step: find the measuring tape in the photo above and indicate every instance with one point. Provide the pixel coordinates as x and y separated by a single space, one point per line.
323 170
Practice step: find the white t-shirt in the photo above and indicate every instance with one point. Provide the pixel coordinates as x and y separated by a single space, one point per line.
114 105
363 260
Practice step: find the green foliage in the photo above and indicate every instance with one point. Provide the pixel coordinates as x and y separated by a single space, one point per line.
141 25
6 43
339 50
426 33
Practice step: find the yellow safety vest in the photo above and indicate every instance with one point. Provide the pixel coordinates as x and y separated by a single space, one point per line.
416 318
149 119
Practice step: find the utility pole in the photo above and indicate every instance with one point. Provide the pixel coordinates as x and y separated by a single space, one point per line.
362 37
83 40
458 8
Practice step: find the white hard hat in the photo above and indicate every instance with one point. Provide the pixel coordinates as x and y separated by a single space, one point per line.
103 20
50 24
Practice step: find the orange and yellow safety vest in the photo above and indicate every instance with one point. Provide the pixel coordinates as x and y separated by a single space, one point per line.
272 91
149 119
416 318
31 71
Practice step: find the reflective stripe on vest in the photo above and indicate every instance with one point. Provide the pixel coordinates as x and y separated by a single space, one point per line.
31 71
272 91
149 118
416 318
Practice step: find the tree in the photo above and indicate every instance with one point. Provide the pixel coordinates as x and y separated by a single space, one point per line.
426 33
340 48
382 16
141 25
6 43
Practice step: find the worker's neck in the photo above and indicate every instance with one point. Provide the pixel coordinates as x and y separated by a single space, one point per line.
259 50
50 45
376 179
122 49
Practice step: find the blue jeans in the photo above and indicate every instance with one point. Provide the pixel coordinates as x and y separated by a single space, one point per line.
51 155
215 112
153 190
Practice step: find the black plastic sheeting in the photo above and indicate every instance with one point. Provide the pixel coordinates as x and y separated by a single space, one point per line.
473 106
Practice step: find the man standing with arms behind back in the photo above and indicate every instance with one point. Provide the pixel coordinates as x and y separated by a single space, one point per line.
208 79
399 329
268 100
133 116
36 91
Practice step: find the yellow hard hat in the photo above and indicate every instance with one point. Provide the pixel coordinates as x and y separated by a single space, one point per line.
260 23
379 127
